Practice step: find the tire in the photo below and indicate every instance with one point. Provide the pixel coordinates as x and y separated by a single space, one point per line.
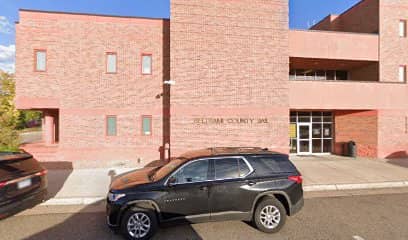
270 215
139 232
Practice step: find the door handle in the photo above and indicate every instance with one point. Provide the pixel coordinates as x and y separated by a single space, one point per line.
251 183
204 188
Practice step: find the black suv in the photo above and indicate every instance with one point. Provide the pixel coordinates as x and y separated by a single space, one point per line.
249 184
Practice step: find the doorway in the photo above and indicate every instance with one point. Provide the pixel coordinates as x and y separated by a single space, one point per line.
304 133
311 133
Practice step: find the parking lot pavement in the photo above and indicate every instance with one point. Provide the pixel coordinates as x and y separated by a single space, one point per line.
348 217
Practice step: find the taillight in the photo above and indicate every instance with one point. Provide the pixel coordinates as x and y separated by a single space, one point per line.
297 179
42 173
2 184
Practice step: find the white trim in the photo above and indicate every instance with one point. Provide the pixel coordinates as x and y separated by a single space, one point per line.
309 124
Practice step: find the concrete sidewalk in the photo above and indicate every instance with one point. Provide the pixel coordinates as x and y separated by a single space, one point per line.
320 173
325 173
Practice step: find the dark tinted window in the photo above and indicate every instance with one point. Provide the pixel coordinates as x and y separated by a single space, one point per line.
243 168
17 164
226 168
193 172
265 165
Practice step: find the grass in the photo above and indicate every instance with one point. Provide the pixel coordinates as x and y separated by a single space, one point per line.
8 149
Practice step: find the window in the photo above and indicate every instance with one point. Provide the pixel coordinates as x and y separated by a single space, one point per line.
243 168
311 74
40 60
226 168
111 126
402 73
341 75
192 172
146 64
403 28
147 125
265 165
111 62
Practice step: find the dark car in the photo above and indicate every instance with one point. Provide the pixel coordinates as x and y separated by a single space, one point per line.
249 184
23 182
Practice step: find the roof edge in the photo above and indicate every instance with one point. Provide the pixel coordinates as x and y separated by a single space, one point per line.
89 14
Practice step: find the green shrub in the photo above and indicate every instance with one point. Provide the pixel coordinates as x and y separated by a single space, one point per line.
9 139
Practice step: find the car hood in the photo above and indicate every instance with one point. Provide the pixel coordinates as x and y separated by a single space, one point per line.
137 177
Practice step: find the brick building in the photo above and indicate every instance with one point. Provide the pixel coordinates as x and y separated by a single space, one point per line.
242 78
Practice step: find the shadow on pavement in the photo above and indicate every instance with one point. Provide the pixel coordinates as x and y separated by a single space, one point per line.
402 162
56 181
58 173
91 224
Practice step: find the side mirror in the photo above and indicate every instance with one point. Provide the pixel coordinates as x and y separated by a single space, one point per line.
171 181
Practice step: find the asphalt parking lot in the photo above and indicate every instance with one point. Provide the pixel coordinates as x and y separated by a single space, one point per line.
351 217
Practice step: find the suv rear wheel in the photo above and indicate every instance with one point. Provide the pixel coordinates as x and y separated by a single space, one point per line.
139 224
270 215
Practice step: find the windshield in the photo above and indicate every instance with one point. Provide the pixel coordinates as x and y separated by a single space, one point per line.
167 169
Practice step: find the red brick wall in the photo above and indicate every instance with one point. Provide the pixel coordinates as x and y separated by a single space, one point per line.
229 60
369 72
358 126
76 75
362 18
329 23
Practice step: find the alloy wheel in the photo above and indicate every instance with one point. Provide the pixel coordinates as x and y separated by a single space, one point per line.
138 225
270 217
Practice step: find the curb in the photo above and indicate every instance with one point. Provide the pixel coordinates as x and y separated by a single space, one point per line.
72 201
354 186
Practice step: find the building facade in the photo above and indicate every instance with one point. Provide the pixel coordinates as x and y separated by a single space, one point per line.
242 78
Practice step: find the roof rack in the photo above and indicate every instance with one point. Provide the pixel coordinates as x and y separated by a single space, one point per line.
223 150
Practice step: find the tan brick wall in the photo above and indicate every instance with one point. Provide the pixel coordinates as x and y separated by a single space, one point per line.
392 132
76 75
229 60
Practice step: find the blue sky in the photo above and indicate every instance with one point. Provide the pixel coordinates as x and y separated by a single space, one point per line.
303 13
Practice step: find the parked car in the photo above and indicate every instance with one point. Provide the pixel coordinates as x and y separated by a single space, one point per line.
249 184
23 182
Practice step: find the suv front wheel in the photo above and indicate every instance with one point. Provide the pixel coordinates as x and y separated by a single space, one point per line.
139 224
270 215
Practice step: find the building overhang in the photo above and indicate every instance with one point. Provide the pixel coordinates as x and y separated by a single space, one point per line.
333 45
350 95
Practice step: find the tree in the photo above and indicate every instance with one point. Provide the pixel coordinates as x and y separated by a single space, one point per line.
9 137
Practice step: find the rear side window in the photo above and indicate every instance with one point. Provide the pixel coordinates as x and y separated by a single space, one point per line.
265 165
226 168
17 164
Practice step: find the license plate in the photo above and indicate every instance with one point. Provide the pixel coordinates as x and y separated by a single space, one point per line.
23 184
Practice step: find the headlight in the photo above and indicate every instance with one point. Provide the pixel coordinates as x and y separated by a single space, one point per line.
113 197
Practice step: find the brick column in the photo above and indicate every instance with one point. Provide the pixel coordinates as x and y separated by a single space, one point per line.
49 128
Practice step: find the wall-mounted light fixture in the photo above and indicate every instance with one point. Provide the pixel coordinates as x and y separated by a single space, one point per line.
170 82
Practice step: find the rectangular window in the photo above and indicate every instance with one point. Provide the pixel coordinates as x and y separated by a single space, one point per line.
147 125
402 73
111 62
341 75
146 64
403 28
111 128
40 60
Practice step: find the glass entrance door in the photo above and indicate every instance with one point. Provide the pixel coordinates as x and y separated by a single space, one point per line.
304 144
